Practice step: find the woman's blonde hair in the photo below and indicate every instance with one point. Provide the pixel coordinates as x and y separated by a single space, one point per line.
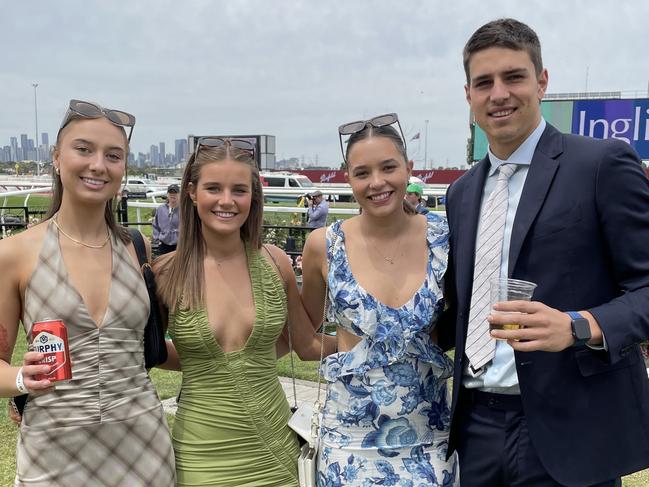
182 275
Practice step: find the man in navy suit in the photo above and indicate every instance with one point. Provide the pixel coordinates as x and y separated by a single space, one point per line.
565 399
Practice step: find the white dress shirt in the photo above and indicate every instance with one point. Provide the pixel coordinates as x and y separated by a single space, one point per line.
500 375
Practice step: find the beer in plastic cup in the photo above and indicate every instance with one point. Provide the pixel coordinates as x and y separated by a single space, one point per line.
505 289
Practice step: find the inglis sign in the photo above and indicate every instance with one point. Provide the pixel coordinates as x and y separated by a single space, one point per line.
624 119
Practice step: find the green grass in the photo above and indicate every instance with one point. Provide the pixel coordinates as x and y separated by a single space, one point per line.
35 200
166 382
303 370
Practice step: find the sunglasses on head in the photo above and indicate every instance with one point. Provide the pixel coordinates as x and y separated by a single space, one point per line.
379 121
242 144
92 110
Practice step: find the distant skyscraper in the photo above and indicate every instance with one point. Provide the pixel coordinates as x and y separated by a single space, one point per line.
163 155
13 142
24 144
43 153
45 139
154 155
181 150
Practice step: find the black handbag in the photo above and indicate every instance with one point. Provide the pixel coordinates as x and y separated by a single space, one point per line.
155 347
18 403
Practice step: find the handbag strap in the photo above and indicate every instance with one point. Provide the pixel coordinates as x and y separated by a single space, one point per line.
145 266
317 410
322 335
138 243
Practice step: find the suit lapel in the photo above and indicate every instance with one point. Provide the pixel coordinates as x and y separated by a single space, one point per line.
539 178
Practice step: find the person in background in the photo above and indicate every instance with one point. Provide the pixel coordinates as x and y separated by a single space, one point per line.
562 400
414 193
165 222
106 425
229 298
317 211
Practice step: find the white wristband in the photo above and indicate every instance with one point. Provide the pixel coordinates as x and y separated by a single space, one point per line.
20 384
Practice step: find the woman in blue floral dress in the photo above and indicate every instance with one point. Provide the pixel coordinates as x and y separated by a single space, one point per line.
386 412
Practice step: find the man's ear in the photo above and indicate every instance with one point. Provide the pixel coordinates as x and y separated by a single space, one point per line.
543 83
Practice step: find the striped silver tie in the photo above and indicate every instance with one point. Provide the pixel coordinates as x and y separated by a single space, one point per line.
480 347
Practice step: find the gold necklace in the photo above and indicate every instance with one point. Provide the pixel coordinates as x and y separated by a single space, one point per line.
220 262
388 259
90 246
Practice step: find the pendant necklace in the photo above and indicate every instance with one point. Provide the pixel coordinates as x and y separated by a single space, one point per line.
220 262
90 246
388 258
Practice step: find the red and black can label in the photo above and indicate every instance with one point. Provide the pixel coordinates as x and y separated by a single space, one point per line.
51 339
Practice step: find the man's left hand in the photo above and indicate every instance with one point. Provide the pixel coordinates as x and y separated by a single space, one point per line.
543 328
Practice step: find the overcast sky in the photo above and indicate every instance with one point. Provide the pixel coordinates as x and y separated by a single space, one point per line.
295 69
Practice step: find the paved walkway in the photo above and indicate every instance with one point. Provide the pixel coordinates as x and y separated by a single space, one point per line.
306 391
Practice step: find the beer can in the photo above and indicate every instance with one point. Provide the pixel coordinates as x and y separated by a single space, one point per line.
50 338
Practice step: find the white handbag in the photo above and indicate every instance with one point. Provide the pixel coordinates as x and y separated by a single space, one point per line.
305 420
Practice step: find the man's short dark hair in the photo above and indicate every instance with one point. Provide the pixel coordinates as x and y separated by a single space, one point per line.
507 33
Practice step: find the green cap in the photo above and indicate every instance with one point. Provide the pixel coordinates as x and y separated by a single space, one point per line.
415 188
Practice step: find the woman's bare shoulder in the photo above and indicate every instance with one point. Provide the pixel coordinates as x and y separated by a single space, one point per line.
161 263
316 241
276 256
19 252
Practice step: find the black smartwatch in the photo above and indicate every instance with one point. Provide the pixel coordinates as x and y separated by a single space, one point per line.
580 329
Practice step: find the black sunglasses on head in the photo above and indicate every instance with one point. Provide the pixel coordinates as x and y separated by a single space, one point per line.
242 144
92 110
352 128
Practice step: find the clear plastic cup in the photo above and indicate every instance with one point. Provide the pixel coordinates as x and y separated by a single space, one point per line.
505 289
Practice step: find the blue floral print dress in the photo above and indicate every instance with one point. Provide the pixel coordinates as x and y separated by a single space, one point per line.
386 413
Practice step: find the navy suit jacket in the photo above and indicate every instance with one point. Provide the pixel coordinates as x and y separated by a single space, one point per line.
581 232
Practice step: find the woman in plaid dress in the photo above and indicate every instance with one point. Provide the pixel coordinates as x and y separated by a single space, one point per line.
106 426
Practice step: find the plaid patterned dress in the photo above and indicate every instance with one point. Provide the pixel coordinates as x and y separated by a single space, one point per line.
106 426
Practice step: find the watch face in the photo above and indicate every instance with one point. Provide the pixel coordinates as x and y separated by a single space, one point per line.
581 329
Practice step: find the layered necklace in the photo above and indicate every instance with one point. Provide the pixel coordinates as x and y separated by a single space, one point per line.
70 237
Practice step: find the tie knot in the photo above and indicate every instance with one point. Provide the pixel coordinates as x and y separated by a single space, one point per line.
506 171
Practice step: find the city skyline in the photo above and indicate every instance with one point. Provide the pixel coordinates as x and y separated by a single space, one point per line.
295 69
22 148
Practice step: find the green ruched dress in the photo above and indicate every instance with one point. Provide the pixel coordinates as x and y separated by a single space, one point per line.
231 425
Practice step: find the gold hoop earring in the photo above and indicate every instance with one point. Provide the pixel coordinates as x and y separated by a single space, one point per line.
57 170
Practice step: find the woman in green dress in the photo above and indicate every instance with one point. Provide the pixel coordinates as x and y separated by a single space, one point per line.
228 299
